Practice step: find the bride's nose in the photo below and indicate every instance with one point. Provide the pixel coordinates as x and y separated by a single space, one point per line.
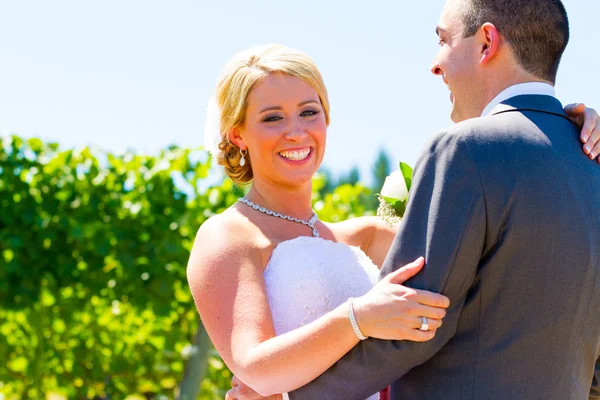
296 131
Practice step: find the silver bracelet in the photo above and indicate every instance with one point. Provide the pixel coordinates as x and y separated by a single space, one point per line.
353 320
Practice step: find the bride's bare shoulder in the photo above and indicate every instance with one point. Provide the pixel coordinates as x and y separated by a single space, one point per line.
225 224
229 235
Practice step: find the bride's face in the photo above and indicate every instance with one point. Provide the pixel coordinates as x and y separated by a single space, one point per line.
284 131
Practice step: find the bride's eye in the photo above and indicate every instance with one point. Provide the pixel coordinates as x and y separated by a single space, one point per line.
272 118
309 113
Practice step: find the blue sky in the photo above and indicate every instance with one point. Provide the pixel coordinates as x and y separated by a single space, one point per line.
138 74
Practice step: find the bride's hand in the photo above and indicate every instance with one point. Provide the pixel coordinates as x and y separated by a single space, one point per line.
240 391
589 122
392 311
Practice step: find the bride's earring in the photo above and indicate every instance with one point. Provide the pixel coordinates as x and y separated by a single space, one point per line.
243 159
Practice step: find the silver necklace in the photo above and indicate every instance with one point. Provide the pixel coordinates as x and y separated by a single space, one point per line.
310 223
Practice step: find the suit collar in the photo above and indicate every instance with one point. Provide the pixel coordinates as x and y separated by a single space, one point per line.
535 103
541 88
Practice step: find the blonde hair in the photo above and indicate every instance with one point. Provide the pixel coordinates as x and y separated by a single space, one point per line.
240 76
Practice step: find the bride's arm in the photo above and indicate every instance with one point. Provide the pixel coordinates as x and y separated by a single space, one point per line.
225 273
381 235
372 234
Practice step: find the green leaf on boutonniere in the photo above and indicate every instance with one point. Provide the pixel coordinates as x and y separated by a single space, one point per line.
398 205
407 172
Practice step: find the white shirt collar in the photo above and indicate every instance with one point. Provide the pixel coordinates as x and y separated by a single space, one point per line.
540 88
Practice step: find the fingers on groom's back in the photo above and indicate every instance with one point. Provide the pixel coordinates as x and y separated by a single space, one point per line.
593 143
432 299
408 271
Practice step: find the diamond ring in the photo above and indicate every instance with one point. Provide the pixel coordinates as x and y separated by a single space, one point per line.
424 325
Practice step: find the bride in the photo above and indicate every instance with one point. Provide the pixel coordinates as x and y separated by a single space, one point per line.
282 295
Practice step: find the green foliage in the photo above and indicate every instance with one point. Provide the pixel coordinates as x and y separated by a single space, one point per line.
326 181
381 170
346 201
92 284
350 178
93 249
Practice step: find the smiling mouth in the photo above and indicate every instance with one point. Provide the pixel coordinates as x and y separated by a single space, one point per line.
296 155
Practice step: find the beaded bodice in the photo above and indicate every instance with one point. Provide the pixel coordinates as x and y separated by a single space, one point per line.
306 277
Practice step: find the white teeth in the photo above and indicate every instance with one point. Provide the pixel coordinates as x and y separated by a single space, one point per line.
295 155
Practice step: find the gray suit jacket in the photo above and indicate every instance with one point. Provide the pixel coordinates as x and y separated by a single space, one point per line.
506 211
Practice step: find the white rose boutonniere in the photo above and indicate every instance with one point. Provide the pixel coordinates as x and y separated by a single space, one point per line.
394 194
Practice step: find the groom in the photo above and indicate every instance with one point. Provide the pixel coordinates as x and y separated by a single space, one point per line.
507 214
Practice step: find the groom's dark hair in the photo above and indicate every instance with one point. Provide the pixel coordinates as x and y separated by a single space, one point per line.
537 30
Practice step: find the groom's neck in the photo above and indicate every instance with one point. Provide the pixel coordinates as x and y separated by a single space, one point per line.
502 80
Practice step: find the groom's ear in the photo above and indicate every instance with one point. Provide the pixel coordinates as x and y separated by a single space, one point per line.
490 42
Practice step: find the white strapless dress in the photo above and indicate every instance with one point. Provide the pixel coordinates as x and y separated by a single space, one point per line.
307 277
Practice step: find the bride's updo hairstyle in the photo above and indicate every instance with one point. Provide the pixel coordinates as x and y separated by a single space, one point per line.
240 76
